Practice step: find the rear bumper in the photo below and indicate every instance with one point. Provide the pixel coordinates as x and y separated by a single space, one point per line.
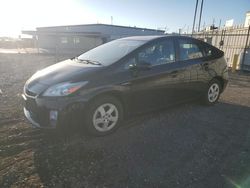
225 77
225 83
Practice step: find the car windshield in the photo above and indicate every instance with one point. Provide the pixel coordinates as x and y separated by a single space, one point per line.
110 52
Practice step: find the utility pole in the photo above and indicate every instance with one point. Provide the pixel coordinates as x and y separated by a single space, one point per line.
200 15
219 25
195 12
213 21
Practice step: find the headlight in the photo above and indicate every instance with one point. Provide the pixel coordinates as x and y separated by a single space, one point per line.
63 89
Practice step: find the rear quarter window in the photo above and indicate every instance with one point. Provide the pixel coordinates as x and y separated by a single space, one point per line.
212 52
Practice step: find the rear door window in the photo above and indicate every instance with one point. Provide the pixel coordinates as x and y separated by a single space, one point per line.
189 49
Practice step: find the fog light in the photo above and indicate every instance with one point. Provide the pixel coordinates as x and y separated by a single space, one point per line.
53 114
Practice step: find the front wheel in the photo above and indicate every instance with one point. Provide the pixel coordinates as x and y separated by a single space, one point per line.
104 116
213 92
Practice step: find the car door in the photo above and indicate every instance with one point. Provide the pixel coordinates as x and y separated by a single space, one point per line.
153 86
191 56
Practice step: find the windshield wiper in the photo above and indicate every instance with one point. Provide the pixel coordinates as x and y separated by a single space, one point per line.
86 61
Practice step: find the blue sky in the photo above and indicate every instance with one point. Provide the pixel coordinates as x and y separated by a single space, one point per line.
17 15
171 13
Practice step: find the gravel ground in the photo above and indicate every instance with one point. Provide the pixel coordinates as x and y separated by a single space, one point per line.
189 146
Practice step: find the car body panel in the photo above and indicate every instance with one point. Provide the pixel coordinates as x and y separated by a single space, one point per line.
139 90
66 71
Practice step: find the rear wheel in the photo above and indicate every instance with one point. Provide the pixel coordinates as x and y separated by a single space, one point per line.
104 116
213 92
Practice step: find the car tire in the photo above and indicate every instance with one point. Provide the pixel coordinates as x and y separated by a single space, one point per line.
103 116
213 92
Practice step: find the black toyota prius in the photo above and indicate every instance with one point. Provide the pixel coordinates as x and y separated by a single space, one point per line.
101 87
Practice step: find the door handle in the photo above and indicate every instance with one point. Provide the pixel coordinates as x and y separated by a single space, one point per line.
174 73
205 66
126 84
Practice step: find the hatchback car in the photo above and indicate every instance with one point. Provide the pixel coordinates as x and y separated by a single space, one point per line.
101 87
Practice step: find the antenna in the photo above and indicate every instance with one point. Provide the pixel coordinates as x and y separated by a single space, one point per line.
111 20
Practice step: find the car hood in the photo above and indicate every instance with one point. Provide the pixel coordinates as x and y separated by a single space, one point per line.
65 71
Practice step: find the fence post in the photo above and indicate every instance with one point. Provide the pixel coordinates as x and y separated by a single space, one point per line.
235 60
222 37
245 49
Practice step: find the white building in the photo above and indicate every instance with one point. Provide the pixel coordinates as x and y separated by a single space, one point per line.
247 20
76 39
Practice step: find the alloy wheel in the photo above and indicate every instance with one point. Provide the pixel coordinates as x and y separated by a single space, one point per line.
105 117
213 92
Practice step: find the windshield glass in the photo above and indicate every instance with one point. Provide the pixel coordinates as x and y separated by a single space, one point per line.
109 53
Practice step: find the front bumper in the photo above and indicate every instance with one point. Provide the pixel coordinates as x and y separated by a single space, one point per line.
28 115
51 112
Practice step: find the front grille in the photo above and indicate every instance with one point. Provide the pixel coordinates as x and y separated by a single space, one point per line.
30 104
38 114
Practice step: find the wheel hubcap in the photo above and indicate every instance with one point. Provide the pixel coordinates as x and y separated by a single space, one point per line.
105 117
213 92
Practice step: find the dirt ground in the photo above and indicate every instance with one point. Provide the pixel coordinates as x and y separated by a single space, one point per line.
189 146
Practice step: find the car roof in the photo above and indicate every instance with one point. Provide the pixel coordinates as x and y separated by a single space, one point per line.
152 37
143 38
